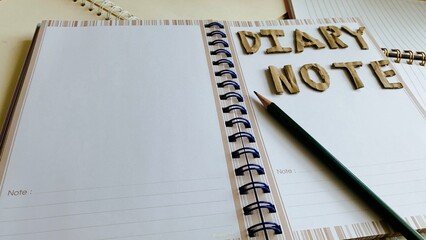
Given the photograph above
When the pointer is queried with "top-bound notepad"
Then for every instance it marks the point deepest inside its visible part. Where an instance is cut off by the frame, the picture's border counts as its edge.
(147, 130)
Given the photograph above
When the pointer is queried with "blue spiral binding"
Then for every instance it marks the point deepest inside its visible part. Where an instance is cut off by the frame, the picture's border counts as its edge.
(259, 205)
(233, 121)
(228, 95)
(216, 32)
(244, 189)
(245, 150)
(223, 61)
(248, 167)
(235, 136)
(226, 71)
(218, 44)
(234, 107)
(264, 226)
(229, 83)
(212, 24)
(219, 41)
(221, 50)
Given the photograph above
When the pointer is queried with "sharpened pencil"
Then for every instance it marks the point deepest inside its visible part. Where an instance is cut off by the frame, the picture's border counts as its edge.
(343, 173)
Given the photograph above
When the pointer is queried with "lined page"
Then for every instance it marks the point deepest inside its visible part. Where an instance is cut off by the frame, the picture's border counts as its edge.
(394, 23)
(414, 78)
(378, 133)
(119, 139)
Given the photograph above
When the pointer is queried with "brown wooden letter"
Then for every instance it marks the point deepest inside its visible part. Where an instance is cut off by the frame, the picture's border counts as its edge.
(255, 38)
(278, 77)
(274, 34)
(332, 34)
(382, 75)
(305, 40)
(350, 68)
(358, 34)
(320, 71)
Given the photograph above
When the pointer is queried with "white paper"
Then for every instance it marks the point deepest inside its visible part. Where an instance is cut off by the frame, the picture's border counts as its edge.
(119, 139)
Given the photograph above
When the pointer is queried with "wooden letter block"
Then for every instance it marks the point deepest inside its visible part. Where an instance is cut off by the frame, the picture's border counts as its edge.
(382, 75)
(250, 49)
(332, 34)
(322, 74)
(358, 34)
(350, 68)
(286, 76)
(305, 40)
(274, 34)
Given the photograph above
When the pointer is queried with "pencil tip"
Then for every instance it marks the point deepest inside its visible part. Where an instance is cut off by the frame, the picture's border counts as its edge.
(265, 101)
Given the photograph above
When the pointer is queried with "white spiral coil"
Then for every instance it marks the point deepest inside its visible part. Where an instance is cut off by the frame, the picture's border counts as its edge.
(109, 8)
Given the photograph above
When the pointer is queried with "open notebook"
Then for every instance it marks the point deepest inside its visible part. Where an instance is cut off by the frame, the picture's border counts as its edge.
(398, 27)
(147, 130)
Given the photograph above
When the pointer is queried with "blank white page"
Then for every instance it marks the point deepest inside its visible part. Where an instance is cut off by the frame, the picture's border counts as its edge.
(118, 139)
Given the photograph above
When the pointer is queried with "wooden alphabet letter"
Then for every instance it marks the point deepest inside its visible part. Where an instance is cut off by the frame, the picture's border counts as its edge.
(350, 68)
(274, 34)
(287, 78)
(322, 74)
(256, 41)
(305, 40)
(332, 34)
(358, 35)
(382, 75)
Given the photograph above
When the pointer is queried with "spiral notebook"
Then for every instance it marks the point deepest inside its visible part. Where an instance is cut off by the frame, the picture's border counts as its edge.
(151, 132)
